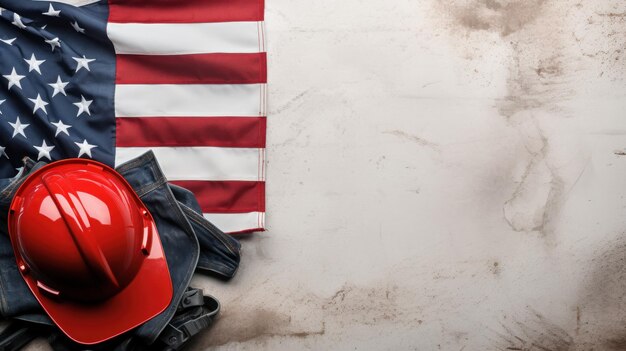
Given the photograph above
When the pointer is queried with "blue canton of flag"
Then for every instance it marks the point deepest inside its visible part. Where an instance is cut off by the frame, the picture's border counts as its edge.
(57, 84)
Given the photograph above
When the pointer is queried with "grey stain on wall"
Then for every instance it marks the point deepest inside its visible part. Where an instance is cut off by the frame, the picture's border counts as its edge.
(502, 16)
(242, 325)
(349, 305)
(535, 333)
(597, 323)
(603, 300)
(539, 66)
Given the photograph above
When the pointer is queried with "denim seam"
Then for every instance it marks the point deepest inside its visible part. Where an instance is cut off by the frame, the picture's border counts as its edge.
(219, 268)
(3, 303)
(146, 158)
(149, 161)
(147, 189)
(196, 218)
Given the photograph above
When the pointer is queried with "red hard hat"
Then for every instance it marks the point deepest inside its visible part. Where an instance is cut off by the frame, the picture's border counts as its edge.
(88, 249)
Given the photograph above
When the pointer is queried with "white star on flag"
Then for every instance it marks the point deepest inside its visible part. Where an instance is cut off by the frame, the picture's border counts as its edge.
(17, 21)
(54, 43)
(1, 102)
(52, 12)
(14, 79)
(8, 41)
(2, 153)
(77, 27)
(44, 151)
(83, 106)
(61, 127)
(85, 148)
(18, 127)
(39, 104)
(82, 62)
(33, 63)
(59, 86)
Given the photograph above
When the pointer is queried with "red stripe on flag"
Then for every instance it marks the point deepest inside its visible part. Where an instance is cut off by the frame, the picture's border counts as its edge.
(246, 132)
(192, 69)
(188, 11)
(227, 196)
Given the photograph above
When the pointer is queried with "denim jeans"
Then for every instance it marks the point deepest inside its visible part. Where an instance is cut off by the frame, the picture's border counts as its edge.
(190, 242)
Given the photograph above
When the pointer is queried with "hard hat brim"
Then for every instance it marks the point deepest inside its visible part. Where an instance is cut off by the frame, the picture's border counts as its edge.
(90, 323)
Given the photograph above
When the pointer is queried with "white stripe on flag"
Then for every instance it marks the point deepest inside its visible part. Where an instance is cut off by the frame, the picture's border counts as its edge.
(184, 38)
(189, 100)
(236, 222)
(201, 163)
(73, 2)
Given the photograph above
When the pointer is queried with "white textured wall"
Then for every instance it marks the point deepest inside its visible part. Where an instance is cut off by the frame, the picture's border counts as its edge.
(443, 175)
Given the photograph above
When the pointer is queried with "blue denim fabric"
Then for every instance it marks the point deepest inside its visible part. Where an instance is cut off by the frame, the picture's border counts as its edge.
(15, 297)
(219, 253)
(190, 242)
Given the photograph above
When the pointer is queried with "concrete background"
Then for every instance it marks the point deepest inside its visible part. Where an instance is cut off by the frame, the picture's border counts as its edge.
(442, 175)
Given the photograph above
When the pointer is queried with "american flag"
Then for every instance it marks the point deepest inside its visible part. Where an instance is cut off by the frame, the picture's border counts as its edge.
(111, 80)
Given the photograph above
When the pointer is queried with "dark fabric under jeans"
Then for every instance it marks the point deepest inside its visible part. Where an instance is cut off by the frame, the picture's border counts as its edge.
(189, 240)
